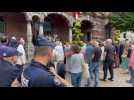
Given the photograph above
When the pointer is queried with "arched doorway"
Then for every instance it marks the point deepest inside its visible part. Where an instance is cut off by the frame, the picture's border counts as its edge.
(56, 24)
(35, 28)
(108, 30)
(86, 28)
(15, 24)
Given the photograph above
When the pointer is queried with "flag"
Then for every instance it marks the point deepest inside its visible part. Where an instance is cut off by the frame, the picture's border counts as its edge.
(76, 14)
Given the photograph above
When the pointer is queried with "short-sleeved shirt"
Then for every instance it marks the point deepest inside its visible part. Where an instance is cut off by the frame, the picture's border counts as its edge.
(110, 53)
(76, 63)
(97, 54)
(88, 53)
(8, 73)
(38, 75)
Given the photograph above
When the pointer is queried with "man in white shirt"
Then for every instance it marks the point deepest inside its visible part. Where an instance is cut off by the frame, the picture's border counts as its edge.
(21, 60)
(59, 56)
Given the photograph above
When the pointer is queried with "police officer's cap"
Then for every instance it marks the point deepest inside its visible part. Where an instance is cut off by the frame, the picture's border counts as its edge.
(44, 41)
(9, 51)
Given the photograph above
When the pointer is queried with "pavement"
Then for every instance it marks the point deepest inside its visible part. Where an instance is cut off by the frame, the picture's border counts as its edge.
(120, 78)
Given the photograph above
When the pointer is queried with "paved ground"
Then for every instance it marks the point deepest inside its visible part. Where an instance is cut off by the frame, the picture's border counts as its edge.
(120, 78)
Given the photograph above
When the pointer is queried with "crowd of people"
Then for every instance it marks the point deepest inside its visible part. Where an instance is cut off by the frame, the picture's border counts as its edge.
(58, 64)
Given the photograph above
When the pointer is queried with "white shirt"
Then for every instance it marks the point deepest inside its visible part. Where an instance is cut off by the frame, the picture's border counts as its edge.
(21, 59)
(59, 53)
(102, 54)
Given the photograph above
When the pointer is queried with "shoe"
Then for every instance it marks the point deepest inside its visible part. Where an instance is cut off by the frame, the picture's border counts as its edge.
(110, 79)
(103, 80)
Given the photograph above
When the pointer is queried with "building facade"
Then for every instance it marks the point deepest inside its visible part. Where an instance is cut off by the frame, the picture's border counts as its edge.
(29, 24)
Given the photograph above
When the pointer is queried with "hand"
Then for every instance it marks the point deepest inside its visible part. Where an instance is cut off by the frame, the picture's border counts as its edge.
(16, 83)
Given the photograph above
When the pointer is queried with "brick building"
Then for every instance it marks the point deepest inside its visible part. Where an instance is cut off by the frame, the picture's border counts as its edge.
(29, 24)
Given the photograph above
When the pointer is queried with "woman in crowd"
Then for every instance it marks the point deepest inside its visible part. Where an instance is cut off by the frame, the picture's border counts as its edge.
(124, 63)
(76, 66)
(117, 61)
(131, 65)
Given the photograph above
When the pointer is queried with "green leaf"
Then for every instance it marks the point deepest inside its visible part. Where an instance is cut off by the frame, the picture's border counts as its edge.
(123, 21)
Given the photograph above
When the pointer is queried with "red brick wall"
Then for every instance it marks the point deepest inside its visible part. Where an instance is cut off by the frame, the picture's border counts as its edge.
(59, 27)
(98, 35)
(61, 30)
(16, 26)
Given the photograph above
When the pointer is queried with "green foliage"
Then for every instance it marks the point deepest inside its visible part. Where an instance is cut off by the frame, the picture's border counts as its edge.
(77, 34)
(123, 21)
(116, 38)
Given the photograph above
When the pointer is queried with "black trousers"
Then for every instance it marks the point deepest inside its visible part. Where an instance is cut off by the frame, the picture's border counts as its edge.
(108, 65)
(20, 69)
(61, 69)
(120, 58)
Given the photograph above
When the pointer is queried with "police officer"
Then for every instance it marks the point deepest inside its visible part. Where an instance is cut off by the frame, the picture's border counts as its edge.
(8, 70)
(37, 73)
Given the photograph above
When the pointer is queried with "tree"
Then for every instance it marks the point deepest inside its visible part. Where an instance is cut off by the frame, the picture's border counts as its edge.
(123, 21)
(77, 34)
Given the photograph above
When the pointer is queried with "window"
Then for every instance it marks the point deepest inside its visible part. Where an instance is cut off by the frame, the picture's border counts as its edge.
(35, 25)
(2, 25)
(47, 26)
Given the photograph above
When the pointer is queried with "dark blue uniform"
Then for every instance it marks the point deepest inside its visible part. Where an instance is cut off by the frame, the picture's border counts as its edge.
(38, 75)
(8, 73)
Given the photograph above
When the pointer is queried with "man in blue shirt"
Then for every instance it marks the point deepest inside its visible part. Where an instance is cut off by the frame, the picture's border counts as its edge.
(8, 71)
(88, 56)
(37, 73)
(88, 53)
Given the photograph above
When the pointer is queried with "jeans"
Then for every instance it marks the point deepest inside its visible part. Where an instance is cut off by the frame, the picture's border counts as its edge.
(68, 76)
(61, 69)
(90, 63)
(94, 73)
(20, 69)
(130, 72)
(76, 79)
(132, 75)
(108, 65)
